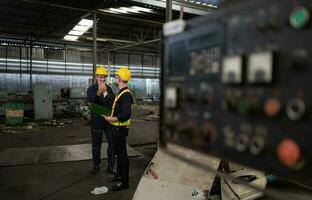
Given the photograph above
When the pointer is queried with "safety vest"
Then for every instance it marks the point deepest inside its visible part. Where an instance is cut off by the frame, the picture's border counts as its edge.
(126, 123)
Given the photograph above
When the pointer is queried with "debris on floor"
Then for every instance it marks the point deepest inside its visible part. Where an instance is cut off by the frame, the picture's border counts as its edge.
(11, 131)
(151, 118)
(29, 126)
(99, 190)
(56, 123)
(148, 112)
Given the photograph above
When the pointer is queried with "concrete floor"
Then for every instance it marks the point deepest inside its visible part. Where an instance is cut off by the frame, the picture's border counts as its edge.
(70, 180)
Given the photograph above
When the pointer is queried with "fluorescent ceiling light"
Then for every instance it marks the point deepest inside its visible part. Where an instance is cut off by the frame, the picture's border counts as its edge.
(118, 10)
(86, 22)
(78, 33)
(108, 11)
(142, 9)
(213, 4)
(129, 10)
(81, 28)
(71, 37)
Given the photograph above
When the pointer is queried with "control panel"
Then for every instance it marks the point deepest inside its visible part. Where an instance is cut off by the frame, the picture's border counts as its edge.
(237, 84)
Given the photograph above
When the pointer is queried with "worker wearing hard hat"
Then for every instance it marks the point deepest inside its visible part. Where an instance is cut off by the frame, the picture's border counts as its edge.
(100, 93)
(120, 119)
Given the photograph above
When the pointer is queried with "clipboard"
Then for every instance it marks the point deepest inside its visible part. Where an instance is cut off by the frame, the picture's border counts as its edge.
(100, 110)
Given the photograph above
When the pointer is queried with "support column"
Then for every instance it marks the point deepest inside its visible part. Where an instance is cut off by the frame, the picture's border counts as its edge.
(65, 58)
(94, 45)
(20, 69)
(168, 10)
(109, 68)
(30, 72)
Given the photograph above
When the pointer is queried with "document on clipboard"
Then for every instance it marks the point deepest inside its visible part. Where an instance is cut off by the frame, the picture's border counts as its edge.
(100, 110)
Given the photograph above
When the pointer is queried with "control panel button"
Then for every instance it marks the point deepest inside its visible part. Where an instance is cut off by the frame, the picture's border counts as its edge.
(295, 109)
(229, 136)
(242, 142)
(260, 67)
(244, 106)
(299, 17)
(256, 145)
(288, 152)
(232, 69)
(299, 58)
(171, 97)
(272, 107)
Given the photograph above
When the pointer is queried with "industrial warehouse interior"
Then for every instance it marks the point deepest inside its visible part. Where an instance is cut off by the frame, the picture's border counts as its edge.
(155, 99)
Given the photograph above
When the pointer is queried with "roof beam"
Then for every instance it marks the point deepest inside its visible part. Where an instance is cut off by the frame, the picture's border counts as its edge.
(176, 6)
(25, 10)
(96, 11)
(132, 45)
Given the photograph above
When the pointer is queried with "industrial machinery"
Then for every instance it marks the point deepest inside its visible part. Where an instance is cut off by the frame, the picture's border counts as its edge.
(73, 101)
(236, 84)
(42, 93)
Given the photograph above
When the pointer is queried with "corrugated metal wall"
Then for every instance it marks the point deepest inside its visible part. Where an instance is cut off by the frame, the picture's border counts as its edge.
(72, 69)
(142, 88)
(66, 62)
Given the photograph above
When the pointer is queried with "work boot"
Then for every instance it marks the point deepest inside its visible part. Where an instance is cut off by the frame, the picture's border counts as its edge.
(95, 169)
(116, 178)
(120, 186)
(111, 170)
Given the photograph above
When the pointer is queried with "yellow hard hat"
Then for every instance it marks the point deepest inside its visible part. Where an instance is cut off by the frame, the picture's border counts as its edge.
(124, 74)
(101, 71)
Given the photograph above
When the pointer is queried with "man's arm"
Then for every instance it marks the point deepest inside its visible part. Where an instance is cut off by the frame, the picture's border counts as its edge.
(95, 93)
(91, 94)
(109, 98)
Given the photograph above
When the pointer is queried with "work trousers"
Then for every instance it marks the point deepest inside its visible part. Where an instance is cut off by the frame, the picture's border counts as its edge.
(120, 149)
(96, 135)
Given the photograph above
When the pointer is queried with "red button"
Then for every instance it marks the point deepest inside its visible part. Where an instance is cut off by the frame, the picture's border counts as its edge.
(272, 107)
(288, 152)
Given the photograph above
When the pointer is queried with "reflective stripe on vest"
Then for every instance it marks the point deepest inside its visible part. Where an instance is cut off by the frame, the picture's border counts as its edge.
(126, 123)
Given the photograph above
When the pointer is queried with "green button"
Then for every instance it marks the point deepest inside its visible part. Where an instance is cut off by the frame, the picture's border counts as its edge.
(299, 17)
(243, 106)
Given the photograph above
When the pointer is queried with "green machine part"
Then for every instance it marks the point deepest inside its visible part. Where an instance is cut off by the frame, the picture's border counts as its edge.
(14, 113)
